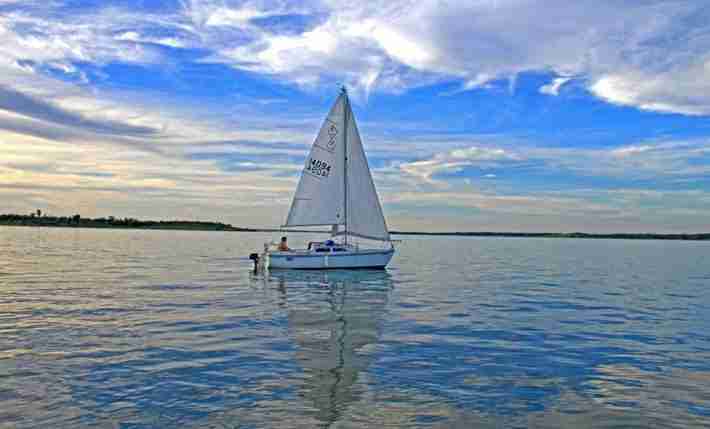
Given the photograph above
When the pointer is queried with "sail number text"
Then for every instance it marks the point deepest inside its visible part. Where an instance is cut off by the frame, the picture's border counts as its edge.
(318, 168)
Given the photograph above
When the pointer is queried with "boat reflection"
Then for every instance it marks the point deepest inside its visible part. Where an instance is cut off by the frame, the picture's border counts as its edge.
(334, 319)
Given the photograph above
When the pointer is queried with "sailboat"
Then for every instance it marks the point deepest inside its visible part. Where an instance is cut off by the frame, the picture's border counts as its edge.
(336, 190)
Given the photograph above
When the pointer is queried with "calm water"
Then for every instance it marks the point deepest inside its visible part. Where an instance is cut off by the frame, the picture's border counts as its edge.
(170, 329)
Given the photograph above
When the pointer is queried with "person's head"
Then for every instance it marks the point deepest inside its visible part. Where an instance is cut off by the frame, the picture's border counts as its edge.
(283, 239)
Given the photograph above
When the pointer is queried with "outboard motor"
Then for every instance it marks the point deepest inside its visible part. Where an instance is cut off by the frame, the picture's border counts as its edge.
(255, 257)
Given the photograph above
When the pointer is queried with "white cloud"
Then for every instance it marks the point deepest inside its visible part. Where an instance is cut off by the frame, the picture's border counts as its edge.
(553, 88)
(652, 55)
(642, 54)
(631, 150)
(132, 36)
(26, 37)
(667, 161)
(240, 14)
(685, 89)
(225, 17)
(543, 204)
(475, 153)
(454, 161)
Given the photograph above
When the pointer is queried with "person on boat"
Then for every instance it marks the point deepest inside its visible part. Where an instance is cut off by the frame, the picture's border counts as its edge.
(283, 245)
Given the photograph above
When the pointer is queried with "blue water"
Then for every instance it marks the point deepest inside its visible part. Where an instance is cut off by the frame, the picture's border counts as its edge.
(142, 329)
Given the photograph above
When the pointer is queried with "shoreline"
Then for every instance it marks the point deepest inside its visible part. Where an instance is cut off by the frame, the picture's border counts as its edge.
(214, 226)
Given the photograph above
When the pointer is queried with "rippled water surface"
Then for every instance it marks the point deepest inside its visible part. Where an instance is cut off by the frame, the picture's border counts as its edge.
(138, 329)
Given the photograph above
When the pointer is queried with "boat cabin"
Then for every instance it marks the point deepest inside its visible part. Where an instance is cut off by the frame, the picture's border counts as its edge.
(326, 246)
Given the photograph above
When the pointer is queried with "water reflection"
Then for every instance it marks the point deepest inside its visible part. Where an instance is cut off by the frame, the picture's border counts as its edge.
(127, 329)
(334, 319)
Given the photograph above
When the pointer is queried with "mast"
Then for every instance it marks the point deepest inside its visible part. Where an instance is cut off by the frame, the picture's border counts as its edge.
(345, 163)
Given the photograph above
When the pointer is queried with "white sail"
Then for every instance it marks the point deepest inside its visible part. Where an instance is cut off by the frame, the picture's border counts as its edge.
(364, 213)
(335, 190)
(319, 196)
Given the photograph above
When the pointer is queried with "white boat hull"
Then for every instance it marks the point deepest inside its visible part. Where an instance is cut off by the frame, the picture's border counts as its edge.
(311, 260)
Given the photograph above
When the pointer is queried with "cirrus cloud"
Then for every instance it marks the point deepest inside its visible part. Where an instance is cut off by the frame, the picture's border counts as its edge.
(646, 54)
(652, 55)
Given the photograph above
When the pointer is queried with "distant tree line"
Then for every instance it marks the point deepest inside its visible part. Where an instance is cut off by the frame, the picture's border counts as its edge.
(622, 236)
(39, 219)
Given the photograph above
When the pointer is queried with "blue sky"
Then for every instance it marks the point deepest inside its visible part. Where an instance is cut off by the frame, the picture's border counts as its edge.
(479, 115)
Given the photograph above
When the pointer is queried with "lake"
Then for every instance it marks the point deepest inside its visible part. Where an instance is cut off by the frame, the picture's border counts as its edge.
(143, 329)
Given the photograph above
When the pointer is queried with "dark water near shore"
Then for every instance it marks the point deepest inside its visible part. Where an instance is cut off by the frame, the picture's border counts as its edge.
(139, 329)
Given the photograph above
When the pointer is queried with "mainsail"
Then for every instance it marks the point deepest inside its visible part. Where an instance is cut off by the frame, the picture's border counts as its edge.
(319, 195)
(336, 186)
